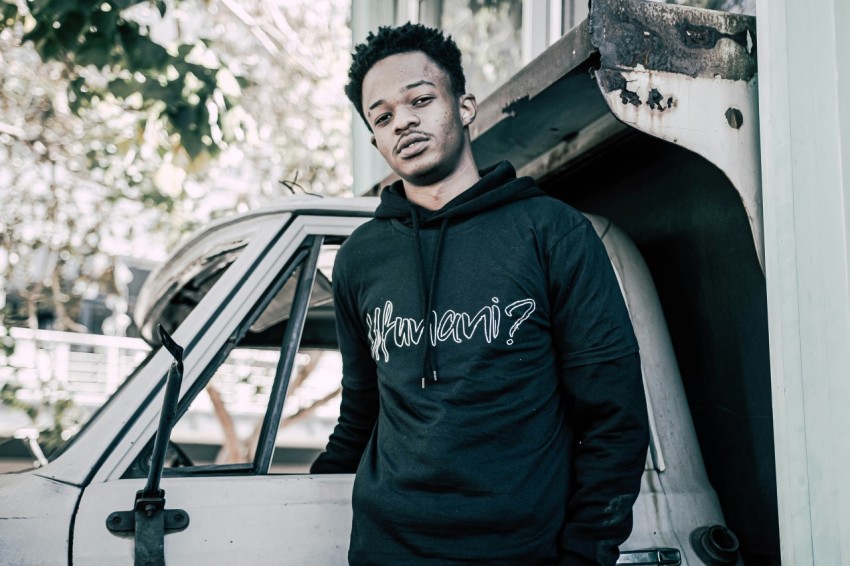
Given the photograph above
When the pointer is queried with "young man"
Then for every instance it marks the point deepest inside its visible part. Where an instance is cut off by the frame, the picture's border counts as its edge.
(492, 406)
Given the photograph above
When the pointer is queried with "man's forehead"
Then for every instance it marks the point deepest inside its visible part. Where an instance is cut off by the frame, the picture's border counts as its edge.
(400, 72)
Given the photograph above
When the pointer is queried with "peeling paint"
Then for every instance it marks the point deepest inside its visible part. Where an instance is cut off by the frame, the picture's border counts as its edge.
(629, 97)
(702, 103)
(619, 82)
(655, 100)
(512, 108)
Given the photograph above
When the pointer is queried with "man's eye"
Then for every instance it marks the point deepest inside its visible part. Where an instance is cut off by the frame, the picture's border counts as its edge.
(381, 119)
(423, 100)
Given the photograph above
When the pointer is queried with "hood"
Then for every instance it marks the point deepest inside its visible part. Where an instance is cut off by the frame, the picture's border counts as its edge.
(498, 185)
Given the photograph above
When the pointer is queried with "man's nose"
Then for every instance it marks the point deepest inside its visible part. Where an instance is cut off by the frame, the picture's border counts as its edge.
(405, 119)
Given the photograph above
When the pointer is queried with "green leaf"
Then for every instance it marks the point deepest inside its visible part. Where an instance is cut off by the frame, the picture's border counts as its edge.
(160, 5)
(49, 11)
(76, 96)
(123, 88)
(70, 29)
(48, 48)
(37, 33)
(170, 94)
(142, 53)
(185, 121)
(105, 22)
(96, 50)
(181, 117)
(124, 4)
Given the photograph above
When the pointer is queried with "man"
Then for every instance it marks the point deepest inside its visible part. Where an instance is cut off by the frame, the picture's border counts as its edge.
(492, 405)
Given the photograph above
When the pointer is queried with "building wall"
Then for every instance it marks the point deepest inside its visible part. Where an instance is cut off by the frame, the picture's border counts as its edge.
(804, 83)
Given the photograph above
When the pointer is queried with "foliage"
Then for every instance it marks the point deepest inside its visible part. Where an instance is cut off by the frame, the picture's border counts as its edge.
(95, 34)
(56, 414)
(489, 34)
(125, 124)
(113, 115)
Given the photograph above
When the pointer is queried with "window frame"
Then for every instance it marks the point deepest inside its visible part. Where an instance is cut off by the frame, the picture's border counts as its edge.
(235, 301)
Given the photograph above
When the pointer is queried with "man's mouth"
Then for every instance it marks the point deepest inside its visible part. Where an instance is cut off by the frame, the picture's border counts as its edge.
(411, 144)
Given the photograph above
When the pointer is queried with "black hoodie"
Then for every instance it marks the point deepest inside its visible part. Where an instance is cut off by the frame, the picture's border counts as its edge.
(492, 399)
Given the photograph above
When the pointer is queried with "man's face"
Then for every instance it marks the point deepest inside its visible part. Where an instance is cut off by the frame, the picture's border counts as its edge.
(417, 123)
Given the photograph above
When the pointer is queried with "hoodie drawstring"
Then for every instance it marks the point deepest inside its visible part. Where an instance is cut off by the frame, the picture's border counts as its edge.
(429, 358)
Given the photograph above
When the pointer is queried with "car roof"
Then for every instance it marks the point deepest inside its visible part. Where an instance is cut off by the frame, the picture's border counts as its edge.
(204, 254)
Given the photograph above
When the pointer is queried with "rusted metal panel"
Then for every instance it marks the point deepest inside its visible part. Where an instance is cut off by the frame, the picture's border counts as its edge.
(687, 76)
(676, 39)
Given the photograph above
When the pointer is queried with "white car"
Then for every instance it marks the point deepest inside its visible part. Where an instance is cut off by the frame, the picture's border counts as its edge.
(260, 282)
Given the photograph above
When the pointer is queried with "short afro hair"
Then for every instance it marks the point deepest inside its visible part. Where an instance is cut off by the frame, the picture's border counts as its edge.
(402, 39)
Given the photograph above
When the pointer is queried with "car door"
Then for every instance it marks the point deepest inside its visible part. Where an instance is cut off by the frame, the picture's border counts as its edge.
(245, 506)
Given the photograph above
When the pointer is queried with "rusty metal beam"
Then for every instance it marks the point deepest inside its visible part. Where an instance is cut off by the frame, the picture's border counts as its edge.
(551, 99)
(675, 39)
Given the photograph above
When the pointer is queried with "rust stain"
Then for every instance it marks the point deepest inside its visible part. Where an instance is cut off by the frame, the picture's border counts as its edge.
(706, 37)
(679, 39)
(617, 81)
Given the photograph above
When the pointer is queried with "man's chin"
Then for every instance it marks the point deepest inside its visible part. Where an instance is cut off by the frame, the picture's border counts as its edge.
(420, 174)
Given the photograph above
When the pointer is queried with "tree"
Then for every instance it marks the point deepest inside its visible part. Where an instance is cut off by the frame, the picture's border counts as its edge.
(122, 121)
(125, 124)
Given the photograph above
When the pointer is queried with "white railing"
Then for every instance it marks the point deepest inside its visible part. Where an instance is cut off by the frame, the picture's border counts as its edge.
(87, 369)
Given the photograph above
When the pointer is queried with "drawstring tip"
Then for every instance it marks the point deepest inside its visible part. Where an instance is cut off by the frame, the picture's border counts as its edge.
(434, 375)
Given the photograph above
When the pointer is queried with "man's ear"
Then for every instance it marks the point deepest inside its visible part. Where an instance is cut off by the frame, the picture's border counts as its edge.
(468, 109)
(372, 139)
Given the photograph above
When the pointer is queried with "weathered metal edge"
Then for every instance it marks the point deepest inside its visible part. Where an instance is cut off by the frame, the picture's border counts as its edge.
(565, 55)
(637, 34)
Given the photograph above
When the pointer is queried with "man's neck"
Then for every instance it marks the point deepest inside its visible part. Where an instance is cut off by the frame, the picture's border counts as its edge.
(435, 196)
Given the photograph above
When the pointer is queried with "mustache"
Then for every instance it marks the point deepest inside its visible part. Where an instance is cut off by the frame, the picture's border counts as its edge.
(403, 140)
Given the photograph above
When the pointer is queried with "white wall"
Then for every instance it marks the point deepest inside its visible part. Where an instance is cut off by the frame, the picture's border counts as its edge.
(804, 84)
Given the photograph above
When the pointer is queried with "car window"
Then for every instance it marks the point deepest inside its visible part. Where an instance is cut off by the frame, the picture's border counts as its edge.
(223, 423)
(221, 428)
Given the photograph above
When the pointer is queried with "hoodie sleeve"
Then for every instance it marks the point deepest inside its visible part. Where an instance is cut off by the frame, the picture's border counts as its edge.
(605, 402)
(359, 407)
